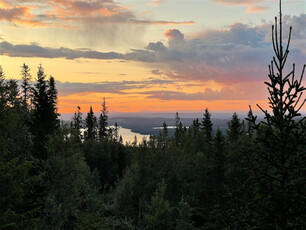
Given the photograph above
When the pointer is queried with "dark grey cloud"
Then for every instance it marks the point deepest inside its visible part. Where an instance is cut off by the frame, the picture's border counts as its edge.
(158, 46)
(69, 88)
(207, 95)
(35, 50)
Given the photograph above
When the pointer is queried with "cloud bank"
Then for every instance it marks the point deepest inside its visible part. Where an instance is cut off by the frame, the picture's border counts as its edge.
(239, 54)
(73, 13)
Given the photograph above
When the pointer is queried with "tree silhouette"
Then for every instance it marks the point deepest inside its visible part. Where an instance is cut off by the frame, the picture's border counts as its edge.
(45, 116)
(234, 129)
(103, 121)
(207, 125)
(91, 123)
(77, 124)
(26, 77)
(279, 165)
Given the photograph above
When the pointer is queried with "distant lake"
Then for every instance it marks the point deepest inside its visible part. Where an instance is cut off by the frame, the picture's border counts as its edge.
(168, 127)
(128, 135)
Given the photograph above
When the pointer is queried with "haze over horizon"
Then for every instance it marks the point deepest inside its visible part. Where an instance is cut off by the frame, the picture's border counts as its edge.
(151, 55)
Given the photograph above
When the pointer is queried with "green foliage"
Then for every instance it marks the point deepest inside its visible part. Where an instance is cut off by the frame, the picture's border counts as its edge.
(71, 193)
(17, 207)
(159, 210)
(108, 158)
(253, 177)
(184, 221)
(278, 165)
(45, 117)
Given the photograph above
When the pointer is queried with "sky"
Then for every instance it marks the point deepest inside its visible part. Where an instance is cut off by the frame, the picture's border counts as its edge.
(150, 55)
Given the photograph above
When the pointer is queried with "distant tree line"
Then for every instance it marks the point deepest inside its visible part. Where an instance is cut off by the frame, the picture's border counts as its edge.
(53, 176)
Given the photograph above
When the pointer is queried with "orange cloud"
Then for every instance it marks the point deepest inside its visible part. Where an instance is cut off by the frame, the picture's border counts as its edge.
(20, 15)
(156, 2)
(80, 8)
(72, 13)
(250, 4)
(256, 9)
(172, 23)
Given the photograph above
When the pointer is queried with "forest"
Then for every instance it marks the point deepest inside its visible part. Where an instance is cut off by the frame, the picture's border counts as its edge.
(53, 176)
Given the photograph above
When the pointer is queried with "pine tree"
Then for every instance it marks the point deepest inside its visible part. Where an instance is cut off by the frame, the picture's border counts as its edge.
(103, 121)
(279, 165)
(207, 125)
(91, 124)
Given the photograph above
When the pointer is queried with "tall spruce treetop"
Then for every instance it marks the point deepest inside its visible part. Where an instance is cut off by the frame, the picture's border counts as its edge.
(179, 130)
(195, 126)
(249, 125)
(207, 125)
(52, 98)
(280, 172)
(76, 124)
(45, 116)
(165, 130)
(91, 123)
(103, 121)
(2, 77)
(26, 78)
(234, 128)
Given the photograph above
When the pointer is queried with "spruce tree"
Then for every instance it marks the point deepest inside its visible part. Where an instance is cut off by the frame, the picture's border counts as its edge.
(207, 125)
(234, 129)
(103, 121)
(18, 209)
(26, 78)
(2, 91)
(165, 130)
(91, 124)
(179, 130)
(279, 165)
(195, 127)
(52, 101)
(249, 126)
(77, 125)
(163, 136)
(45, 116)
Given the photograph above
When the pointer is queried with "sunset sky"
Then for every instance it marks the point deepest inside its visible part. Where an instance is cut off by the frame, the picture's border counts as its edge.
(149, 55)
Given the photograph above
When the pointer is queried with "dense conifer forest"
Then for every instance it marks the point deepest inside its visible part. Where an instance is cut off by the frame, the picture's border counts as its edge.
(53, 176)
